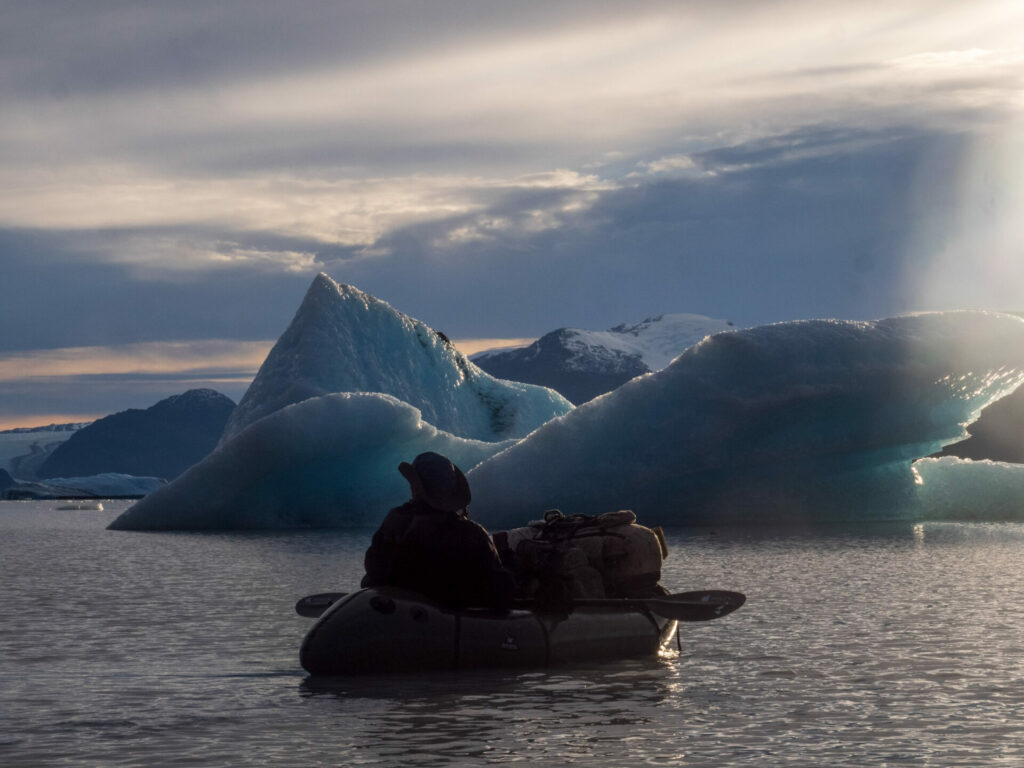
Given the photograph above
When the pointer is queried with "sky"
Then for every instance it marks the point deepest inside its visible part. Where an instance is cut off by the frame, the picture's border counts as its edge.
(173, 175)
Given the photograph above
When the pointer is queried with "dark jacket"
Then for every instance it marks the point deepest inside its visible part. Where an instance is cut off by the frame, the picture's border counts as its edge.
(443, 555)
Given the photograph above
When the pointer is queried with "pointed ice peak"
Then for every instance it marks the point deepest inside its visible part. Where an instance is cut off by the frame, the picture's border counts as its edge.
(322, 280)
(324, 291)
(345, 340)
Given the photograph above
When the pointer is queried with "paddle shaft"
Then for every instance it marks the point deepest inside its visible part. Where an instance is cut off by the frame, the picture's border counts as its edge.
(686, 606)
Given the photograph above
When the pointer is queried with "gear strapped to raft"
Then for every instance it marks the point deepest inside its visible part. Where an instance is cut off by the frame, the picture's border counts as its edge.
(561, 558)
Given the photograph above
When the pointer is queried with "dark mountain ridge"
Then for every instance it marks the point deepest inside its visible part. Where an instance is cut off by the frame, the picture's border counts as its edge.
(161, 441)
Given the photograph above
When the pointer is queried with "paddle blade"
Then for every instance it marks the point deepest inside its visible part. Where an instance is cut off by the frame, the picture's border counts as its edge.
(312, 606)
(702, 605)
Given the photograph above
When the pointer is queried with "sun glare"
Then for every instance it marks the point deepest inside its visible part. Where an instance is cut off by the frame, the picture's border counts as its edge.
(967, 246)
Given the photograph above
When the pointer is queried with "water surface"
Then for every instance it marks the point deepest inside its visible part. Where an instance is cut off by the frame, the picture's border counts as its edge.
(862, 645)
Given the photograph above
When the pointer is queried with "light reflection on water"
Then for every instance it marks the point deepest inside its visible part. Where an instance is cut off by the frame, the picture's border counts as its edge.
(859, 645)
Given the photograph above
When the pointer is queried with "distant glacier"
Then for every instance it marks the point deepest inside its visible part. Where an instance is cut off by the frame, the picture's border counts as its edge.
(799, 421)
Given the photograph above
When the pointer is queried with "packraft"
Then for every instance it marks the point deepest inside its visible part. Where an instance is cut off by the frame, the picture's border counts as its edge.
(583, 556)
(387, 629)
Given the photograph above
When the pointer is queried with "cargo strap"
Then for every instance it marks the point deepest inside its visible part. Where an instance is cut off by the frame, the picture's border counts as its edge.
(557, 528)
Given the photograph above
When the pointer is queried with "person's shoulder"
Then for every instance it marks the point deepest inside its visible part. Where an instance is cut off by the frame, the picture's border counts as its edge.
(398, 517)
(409, 508)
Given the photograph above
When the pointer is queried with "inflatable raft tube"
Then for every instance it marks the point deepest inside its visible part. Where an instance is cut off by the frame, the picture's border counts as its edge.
(385, 629)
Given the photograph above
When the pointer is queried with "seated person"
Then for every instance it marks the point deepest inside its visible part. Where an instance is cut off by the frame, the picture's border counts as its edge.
(430, 545)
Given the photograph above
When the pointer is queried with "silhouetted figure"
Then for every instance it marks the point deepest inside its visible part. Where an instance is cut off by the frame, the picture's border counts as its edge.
(430, 545)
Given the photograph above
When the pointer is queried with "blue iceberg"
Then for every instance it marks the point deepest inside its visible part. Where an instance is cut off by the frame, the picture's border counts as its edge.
(950, 488)
(325, 462)
(344, 340)
(799, 421)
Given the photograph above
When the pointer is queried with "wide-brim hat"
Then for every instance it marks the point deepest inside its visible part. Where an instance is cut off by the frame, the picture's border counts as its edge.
(435, 479)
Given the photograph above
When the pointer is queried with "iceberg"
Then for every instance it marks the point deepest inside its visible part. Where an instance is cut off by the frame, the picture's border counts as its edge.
(951, 488)
(801, 421)
(328, 461)
(352, 388)
(344, 340)
(798, 421)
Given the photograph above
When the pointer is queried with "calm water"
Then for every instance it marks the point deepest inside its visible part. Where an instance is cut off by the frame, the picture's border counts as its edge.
(859, 646)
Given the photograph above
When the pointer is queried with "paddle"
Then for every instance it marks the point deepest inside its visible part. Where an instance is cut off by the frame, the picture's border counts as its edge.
(312, 606)
(701, 605)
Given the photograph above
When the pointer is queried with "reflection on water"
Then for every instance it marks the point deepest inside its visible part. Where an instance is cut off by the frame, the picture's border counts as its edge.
(592, 714)
(859, 645)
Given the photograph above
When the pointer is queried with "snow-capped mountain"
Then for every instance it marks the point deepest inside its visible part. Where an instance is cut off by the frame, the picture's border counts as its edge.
(344, 340)
(584, 364)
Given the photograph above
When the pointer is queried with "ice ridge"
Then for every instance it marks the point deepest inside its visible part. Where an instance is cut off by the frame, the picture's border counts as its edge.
(345, 340)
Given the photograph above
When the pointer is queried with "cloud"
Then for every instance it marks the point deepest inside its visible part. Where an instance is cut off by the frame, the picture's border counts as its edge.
(64, 289)
(669, 164)
(346, 213)
(207, 356)
(472, 346)
(225, 358)
(818, 223)
(811, 223)
(181, 170)
(135, 46)
(38, 386)
(958, 60)
(83, 383)
(322, 145)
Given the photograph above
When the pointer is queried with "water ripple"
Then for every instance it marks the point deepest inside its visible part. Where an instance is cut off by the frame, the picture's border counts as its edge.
(877, 645)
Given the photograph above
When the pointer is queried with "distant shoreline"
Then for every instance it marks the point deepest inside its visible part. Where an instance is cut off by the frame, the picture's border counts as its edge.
(30, 497)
